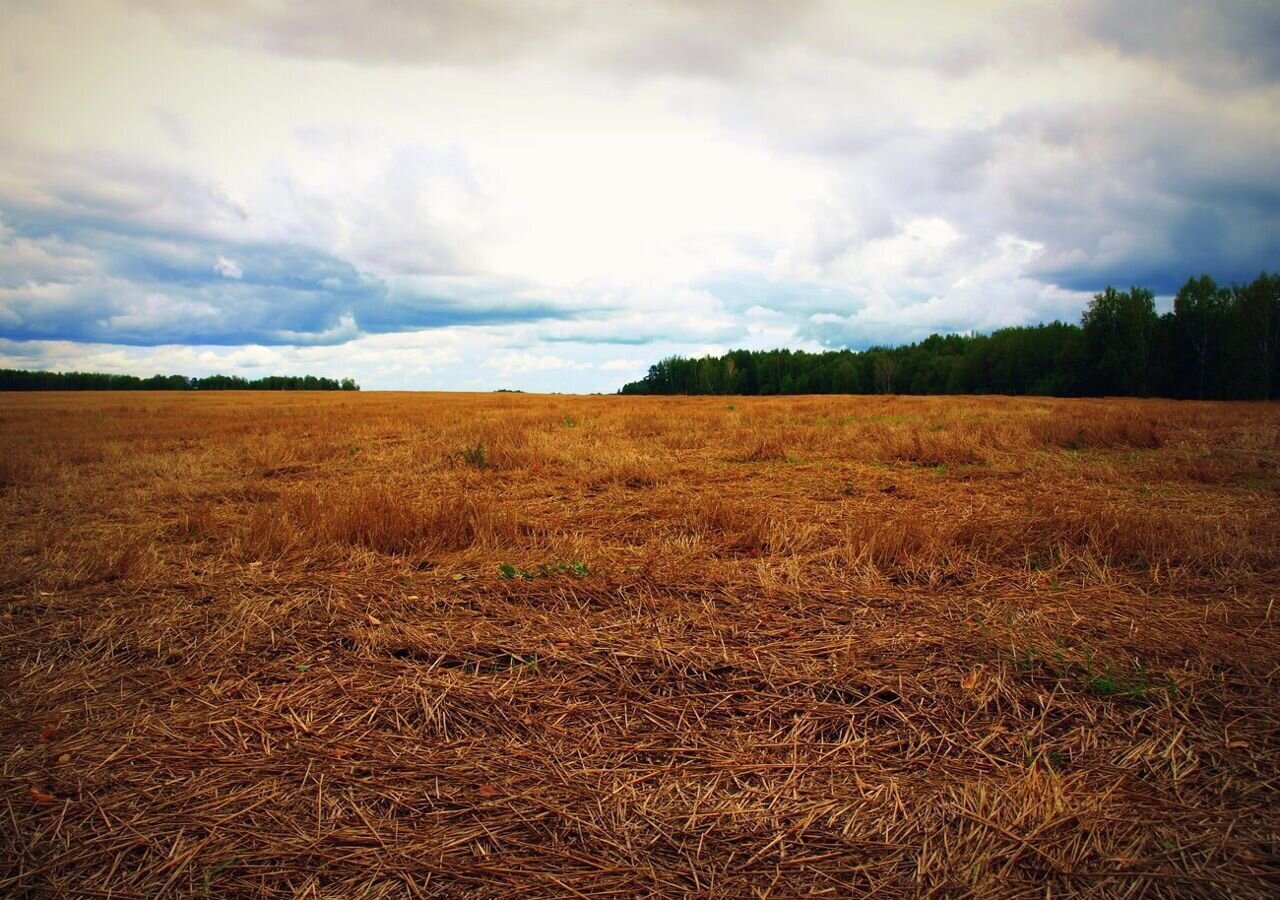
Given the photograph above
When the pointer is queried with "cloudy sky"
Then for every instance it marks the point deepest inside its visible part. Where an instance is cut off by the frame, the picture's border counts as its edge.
(550, 195)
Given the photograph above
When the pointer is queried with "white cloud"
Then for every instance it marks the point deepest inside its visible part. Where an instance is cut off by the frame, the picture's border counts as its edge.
(228, 268)
(520, 362)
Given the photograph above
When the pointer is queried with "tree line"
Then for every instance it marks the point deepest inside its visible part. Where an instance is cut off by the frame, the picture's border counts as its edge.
(21, 380)
(1218, 343)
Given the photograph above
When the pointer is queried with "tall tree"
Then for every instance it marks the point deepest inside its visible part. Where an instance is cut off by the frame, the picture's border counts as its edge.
(1201, 310)
(1258, 321)
(1119, 328)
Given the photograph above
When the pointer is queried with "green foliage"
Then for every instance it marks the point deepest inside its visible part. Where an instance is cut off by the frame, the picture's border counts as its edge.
(1102, 678)
(1217, 343)
(210, 876)
(576, 569)
(21, 380)
(1119, 336)
(509, 662)
(1201, 313)
(475, 456)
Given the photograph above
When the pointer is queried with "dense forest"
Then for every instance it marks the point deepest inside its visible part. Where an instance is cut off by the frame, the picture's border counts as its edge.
(20, 380)
(1220, 343)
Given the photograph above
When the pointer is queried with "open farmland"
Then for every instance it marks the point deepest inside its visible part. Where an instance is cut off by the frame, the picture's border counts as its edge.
(381, 645)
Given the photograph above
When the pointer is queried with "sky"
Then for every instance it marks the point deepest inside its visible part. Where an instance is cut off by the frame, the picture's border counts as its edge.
(552, 195)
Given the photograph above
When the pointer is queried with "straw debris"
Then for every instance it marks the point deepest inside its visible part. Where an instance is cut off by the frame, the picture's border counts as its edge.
(284, 645)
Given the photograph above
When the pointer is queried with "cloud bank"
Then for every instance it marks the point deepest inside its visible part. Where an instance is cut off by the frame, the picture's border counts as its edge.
(551, 194)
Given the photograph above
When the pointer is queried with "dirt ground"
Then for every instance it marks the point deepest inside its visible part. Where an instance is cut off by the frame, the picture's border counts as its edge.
(384, 645)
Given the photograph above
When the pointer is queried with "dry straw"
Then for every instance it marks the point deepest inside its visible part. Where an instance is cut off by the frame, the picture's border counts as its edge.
(493, 646)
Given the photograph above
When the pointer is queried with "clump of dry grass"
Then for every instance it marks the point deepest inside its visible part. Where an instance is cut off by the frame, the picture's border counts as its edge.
(132, 561)
(381, 518)
(268, 533)
(763, 445)
(734, 525)
(933, 446)
(295, 645)
(14, 470)
(1096, 429)
(197, 519)
(900, 548)
(628, 470)
(1135, 538)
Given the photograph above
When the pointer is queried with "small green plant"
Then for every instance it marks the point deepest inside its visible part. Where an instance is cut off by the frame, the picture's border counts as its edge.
(507, 661)
(569, 422)
(1103, 684)
(1102, 678)
(576, 569)
(1028, 660)
(475, 456)
(1051, 759)
(212, 874)
(1135, 684)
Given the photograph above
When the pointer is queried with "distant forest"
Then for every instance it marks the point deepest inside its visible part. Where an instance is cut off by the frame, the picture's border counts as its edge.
(20, 380)
(1220, 343)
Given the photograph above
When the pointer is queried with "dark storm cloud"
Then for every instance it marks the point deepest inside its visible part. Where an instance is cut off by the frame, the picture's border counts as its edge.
(658, 37)
(1213, 41)
(376, 31)
(1216, 42)
(1116, 193)
(1142, 198)
(76, 281)
(116, 251)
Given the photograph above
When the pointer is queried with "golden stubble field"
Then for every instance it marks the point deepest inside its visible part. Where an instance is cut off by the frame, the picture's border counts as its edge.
(385, 645)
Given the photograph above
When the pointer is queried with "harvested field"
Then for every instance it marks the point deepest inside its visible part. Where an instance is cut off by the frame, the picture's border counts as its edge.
(390, 645)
